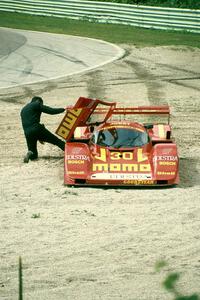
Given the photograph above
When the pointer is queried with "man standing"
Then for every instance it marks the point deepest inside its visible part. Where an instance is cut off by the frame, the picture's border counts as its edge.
(34, 131)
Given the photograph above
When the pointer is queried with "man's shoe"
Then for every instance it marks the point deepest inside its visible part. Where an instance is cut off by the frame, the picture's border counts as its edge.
(27, 157)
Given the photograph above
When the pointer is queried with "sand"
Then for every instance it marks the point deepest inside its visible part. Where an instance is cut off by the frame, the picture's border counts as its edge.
(96, 243)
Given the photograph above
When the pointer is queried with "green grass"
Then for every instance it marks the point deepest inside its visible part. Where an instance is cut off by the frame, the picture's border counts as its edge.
(170, 283)
(167, 3)
(112, 33)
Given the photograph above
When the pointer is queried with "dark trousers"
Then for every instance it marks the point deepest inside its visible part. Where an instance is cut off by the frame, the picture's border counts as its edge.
(40, 133)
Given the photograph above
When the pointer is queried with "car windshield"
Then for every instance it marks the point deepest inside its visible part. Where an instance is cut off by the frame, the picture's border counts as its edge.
(121, 137)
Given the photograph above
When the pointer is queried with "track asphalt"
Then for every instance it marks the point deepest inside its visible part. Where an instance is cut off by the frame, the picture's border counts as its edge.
(30, 56)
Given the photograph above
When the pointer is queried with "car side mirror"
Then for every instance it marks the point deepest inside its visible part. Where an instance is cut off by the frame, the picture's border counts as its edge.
(148, 126)
(168, 136)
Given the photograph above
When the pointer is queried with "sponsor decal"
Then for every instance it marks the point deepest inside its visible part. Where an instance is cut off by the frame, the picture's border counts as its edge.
(121, 167)
(124, 126)
(121, 176)
(76, 162)
(116, 126)
(166, 158)
(76, 150)
(167, 163)
(76, 172)
(124, 167)
(77, 157)
(139, 182)
(166, 151)
(166, 173)
(68, 122)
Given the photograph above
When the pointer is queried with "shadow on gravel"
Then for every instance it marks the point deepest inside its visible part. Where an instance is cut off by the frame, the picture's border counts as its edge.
(52, 157)
(188, 172)
(118, 188)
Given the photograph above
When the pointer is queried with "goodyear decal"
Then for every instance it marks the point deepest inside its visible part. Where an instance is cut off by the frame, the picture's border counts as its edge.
(138, 182)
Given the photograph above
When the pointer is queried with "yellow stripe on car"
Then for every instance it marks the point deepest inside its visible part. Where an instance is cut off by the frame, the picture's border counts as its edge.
(161, 131)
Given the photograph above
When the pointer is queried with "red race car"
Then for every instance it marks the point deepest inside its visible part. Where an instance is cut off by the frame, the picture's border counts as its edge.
(105, 147)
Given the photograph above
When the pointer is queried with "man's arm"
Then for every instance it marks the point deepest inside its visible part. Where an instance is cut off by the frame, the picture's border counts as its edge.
(51, 111)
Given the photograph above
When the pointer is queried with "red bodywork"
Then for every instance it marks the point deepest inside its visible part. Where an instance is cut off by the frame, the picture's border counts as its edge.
(89, 162)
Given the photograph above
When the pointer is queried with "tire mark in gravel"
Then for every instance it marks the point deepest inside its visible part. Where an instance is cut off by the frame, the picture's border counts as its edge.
(27, 67)
(180, 83)
(73, 81)
(168, 66)
(95, 85)
(17, 95)
(154, 84)
(175, 68)
(154, 92)
(195, 75)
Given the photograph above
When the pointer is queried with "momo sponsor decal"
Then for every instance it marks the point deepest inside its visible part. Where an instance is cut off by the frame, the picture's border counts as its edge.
(139, 166)
(121, 167)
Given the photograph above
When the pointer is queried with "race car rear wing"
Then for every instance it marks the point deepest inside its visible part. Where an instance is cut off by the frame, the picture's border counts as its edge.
(161, 110)
(87, 112)
(148, 110)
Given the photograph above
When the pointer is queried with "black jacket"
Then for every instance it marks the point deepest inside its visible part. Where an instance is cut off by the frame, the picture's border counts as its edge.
(31, 113)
